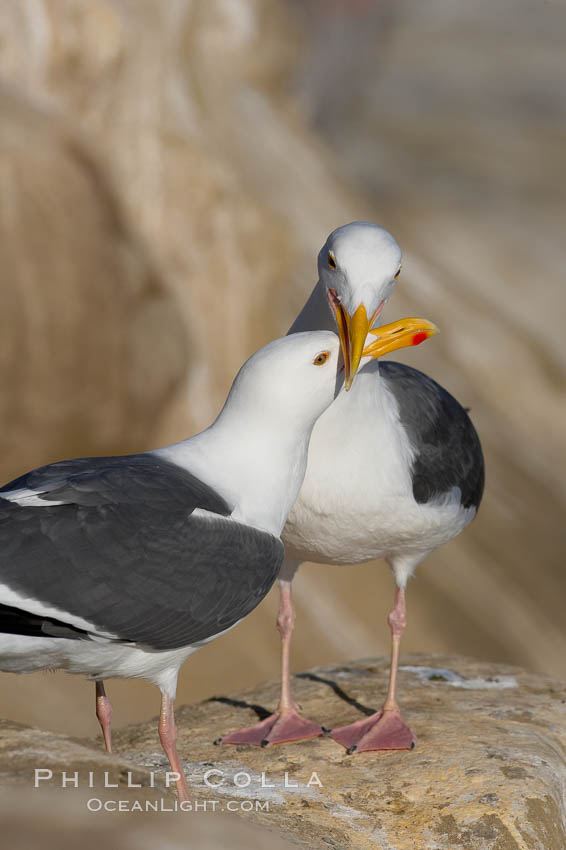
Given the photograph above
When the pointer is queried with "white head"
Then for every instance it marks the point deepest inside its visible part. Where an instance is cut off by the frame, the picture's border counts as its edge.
(289, 382)
(358, 266)
(261, 436)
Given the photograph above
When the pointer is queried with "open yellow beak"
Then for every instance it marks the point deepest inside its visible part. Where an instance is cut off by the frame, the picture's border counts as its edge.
(353, 331)
(400, 334)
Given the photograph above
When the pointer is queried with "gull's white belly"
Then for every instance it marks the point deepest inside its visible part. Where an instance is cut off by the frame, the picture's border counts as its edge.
(97, 659)
(397, 526)
(356, 503)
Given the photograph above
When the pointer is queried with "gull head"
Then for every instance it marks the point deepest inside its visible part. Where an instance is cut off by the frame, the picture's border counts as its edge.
(290, 382)
(357, 266)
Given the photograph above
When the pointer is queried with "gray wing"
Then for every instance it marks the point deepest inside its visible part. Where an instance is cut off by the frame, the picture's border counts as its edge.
(125, 552)
(448, 449)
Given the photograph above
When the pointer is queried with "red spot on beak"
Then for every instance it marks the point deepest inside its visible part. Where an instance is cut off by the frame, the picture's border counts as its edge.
(420, 337)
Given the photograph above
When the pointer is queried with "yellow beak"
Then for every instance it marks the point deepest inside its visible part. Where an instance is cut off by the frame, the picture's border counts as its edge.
(359, 328)
(353, 331)
(400, 334)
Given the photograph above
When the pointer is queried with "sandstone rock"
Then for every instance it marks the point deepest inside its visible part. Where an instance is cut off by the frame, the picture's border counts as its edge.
(63, 822)
(92, 347)
(187, 105)
(487, 774)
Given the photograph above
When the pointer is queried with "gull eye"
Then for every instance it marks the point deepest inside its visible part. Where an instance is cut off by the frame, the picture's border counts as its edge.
(331, 261)
(398, 273)
(321, 358)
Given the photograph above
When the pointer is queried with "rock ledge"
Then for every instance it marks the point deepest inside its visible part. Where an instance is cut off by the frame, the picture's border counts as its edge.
(488, 772)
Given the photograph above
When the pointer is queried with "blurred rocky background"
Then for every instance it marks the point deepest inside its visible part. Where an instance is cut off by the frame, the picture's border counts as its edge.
(168, 172)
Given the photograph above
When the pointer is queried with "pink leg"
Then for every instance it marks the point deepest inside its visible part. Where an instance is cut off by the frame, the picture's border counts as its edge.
(385, 730)
(104, 715)
(168, 738)
(286, 724)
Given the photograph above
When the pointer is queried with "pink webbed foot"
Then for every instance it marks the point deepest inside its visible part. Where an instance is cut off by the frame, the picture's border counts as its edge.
(279, 728)
(385, 730)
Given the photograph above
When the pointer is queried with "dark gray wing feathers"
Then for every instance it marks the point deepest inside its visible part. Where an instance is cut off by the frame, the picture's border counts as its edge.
(126, 553)
(448, 450)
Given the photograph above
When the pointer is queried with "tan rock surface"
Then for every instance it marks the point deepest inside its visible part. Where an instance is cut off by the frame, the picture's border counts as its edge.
(92, 347)
(488, 772)
(187, 105)
(63, 822)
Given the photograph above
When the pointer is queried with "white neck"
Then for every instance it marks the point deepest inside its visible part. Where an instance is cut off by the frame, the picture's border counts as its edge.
(258, 470)
(315, 315)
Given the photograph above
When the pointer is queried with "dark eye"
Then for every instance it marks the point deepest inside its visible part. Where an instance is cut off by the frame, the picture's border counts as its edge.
(398, 273)
(321, 358)
(331, 261)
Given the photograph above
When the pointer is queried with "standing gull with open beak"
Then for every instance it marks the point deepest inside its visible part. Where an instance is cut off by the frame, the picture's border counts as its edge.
(395, 468)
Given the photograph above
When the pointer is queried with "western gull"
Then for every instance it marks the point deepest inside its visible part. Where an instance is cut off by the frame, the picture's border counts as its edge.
(124, 566)
(395, 469)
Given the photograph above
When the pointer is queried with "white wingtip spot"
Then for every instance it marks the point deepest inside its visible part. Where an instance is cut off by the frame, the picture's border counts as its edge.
(28, 498)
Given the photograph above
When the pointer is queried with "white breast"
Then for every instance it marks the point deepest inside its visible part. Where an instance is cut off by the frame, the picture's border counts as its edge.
(356, 503)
